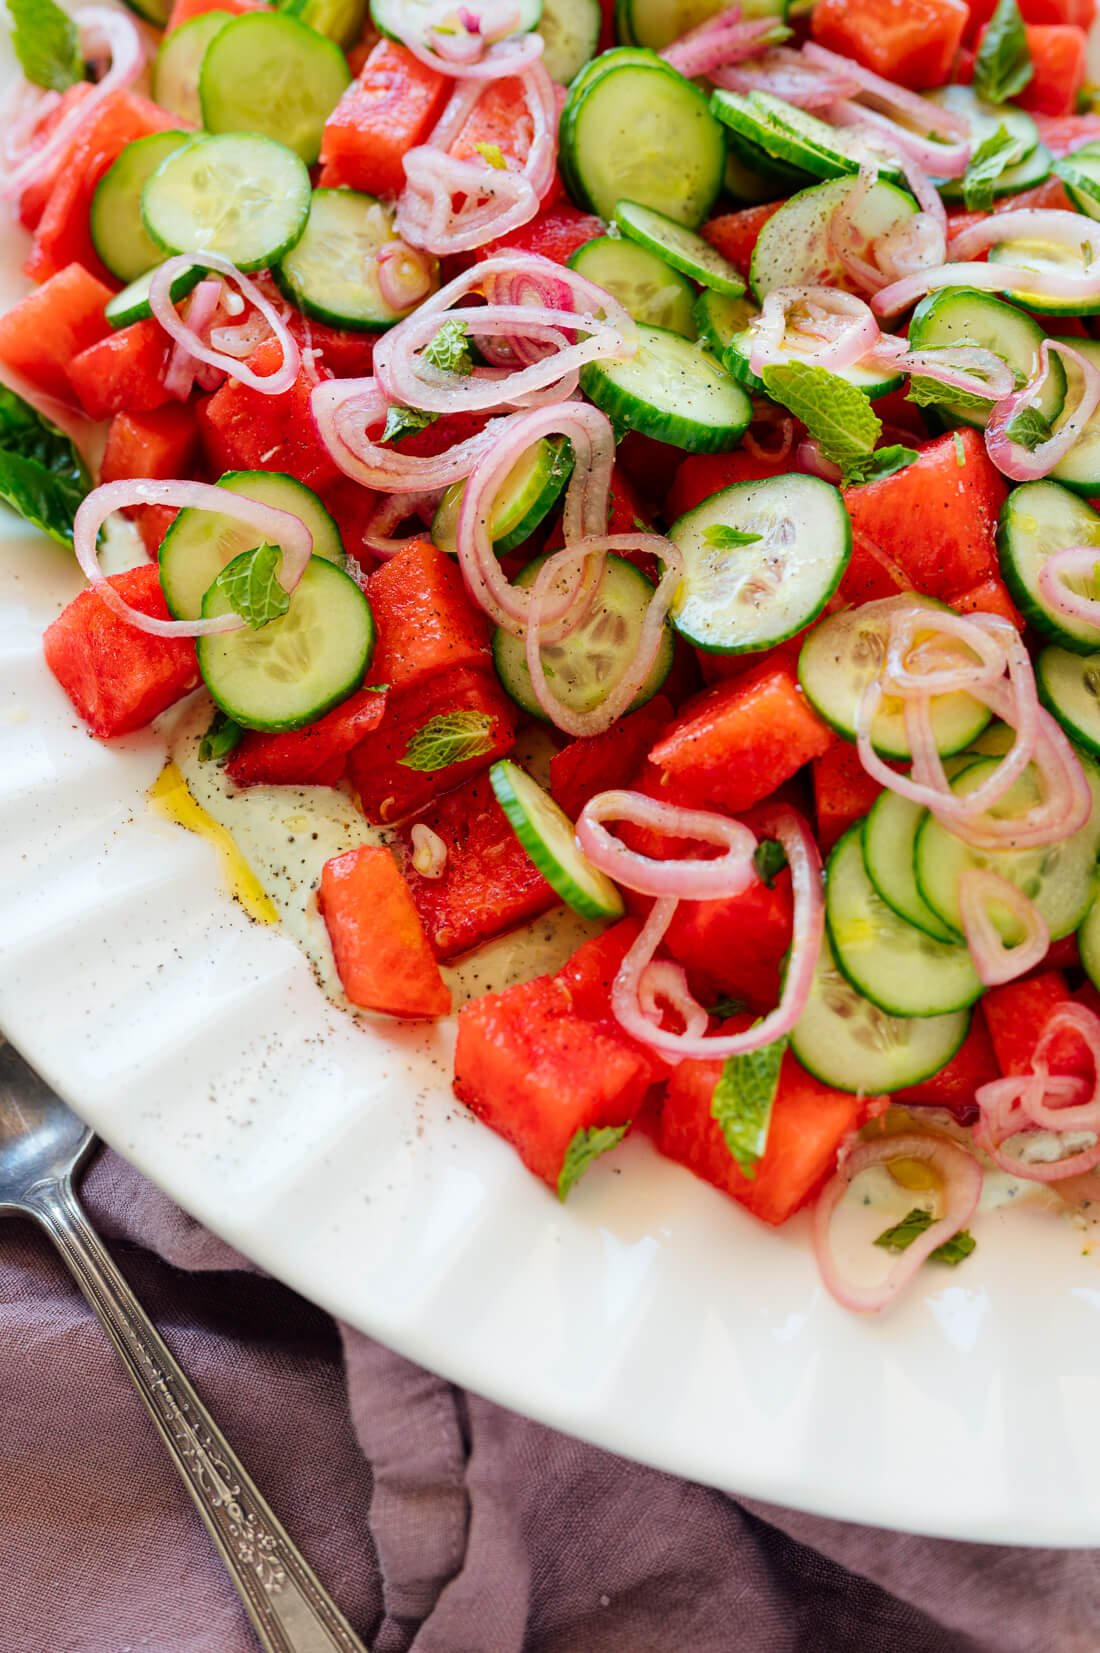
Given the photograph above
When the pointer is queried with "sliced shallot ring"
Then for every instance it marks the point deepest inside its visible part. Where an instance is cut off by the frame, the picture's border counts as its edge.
(693, 880)
(804, 859)
(1072, 562)
(345, 409)
(664, 981)
(1080, 1114)
(160, 303)
(961, 1177)
(979, 889)
(722, 40)
(1024, 464)
(986, 278)
(888, 92)
(855, 337)
(276, 526)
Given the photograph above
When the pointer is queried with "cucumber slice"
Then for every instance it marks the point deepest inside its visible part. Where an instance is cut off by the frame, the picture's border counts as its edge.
(585, 668)
(199, 544)
(682, 248)
(331, 272)
(1046, 257)
(237, 194)
(793, 137)
(1069, 687)
(1058, 878)
(671, 390)
(735, 360)
(644, 284)
(132, 304)
(1037, 519)
(1080, 469)
(177, 64)
(892, 963)
(843, 654)
(1088, 943)
(657, 23)
(529, 493)
(847, 1042)
(118, 234)
(792, 250)
(1080, 173)
(735, 600)
(1031, 162)
(398, 18)
(546, 833)
(637, 129)
(754, 177)
(958, 315)
(570, 30)
(341, 20)
(267, 73)
(296, 668)
(889, 836)
(718, 318)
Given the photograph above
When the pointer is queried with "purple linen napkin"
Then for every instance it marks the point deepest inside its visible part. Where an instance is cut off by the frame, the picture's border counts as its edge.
(441, 1523)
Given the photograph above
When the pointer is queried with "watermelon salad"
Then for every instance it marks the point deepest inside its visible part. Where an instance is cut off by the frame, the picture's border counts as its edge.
(717, 392)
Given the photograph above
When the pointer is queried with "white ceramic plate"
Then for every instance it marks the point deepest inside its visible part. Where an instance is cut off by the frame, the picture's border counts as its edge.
(651, 1315)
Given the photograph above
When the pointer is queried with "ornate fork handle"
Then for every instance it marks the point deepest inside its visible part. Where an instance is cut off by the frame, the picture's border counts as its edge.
(291, 1611)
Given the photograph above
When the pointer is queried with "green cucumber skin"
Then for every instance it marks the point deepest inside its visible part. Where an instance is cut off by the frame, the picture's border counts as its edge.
(1031, 610)
(556, 874)
(1080, 736)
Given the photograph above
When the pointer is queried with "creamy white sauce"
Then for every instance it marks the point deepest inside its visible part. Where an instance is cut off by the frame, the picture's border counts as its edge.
(287, 833)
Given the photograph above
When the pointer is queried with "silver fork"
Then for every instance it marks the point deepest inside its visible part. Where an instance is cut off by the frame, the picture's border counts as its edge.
(42, 1146)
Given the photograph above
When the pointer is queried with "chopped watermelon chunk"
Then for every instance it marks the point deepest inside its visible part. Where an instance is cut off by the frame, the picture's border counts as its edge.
(843, 791)
(41, 334)
(159, 444)
(973, 1064)
(118, 677)
(152, 523)
(989, 596)
(32, 202)
(911, 41)
(590, 975)
(314, 756)
(736, 743)
(388, 789)
(703, 474)
(556, 233)
(736, 946)
(1059, 58)
(1016, 1014)
(122, 373)
(599, 763)
(425, 620)
(381, 952)
(184, 10)
(247, 430)
(63, 234)
(489, 883)
(938, 516)
(389, 110)
(808, 1124)
(537, 1072)
(735, 234)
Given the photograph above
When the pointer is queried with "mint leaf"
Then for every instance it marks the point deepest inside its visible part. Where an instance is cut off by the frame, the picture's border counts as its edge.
(41, 497)
(587, 1144)
(837, 415)
(450, 349)
(399, 421)
(725, 1007)
(721, 538)
(452, 737)
(769, 858)
(742, 1102)
(1002, 67)
(47, 44)
(883, 462)
(1029, 428)
(918, 1222)
(991, 158)
(220, 739)
(931, 393)
(491, 152)
(25, 432)
(251, 586)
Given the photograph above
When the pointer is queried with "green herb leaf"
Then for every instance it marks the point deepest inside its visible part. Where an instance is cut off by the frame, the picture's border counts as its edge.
(587, 1144)
(452, 737)
(42, 498)
(220, 739)
(769, 858)
(960, 450)
(25, 432)
(918, 1222)
(991, 158)
(400, 421)
(491, 152)
(930, 393)
(725, 1007)
(1002, 67)
(450, 349)
(721, 538)
(47, 44)
(883, 462)
(1029, 428)
(251, 586)
(837, 415)
(742, 1102)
